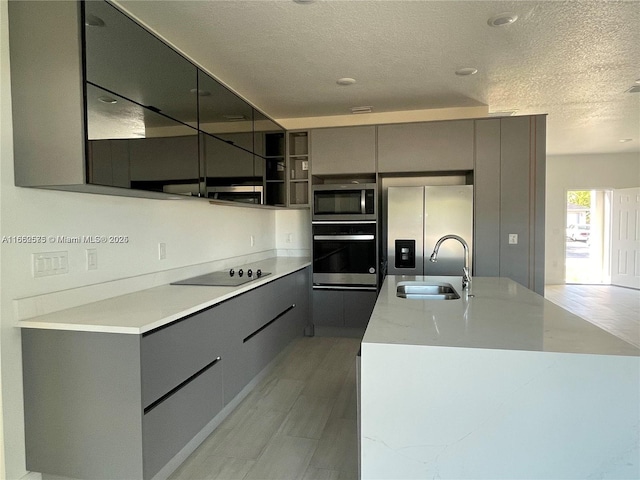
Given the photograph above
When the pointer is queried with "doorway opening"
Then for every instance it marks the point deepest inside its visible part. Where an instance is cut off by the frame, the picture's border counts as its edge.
(588, 237)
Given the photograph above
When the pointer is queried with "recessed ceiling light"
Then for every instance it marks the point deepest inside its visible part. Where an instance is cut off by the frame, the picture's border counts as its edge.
(502, 113)
(107, 99)
(93, 21)
(366, 109)
(201, 93)
(463, 72)
(634, 89)
(502, 19)
(346, 81)
(625, 140)
(234, 118)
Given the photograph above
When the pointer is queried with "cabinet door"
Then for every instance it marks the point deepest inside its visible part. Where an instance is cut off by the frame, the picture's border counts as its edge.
(344, 150)
(424, 147)
(358, 307)
(126, 59)
(328, 308)
(165, 159)
(486, 255)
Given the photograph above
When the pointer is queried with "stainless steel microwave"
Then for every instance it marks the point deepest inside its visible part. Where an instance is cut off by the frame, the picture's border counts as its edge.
(344, 202)
(239, 193)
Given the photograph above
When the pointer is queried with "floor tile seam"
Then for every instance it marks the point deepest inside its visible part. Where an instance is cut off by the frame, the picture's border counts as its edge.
(306, 465)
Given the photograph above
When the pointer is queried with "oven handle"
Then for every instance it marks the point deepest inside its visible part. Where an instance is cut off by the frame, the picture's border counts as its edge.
(343, 237)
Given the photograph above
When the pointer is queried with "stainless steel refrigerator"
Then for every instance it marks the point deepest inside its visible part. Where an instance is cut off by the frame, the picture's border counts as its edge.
(417, 217)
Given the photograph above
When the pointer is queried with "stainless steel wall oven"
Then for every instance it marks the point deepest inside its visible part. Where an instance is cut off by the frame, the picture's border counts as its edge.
(345, 255)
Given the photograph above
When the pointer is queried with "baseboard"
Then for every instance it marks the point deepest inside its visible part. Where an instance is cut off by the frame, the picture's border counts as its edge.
(348, 332)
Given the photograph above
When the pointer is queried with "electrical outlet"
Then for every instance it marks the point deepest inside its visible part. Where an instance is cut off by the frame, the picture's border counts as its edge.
(289, 238)
(162, 251)
(50, 263)
(92, 259)
(513, 239)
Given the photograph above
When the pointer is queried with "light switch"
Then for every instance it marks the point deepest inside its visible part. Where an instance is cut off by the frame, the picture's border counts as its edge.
(50, 263)
(162, 251)
(513, 239)
(92, 259)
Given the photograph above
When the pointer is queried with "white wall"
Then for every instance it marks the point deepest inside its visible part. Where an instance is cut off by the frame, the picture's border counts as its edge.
(579, 172)
(194, 231)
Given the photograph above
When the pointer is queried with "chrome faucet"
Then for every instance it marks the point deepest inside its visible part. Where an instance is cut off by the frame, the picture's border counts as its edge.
(466, 274)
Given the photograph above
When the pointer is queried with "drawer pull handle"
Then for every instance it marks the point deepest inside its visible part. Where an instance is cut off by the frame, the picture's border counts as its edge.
(286, 310)
(183, 384)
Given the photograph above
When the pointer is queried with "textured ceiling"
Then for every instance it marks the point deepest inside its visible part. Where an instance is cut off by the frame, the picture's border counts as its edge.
(572, 60)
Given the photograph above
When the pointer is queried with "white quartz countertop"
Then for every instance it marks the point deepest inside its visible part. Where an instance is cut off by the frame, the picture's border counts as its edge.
(498, 314)
(141, 311)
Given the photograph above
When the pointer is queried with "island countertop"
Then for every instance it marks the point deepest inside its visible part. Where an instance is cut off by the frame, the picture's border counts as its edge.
(498, 313)
(141, 311)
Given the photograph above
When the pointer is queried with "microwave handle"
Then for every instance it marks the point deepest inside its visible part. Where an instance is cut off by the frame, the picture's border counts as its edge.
(363, 201)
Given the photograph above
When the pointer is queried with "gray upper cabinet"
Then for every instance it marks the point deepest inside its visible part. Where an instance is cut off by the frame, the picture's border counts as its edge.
(140, 98)
(426, 147)
(345, 150)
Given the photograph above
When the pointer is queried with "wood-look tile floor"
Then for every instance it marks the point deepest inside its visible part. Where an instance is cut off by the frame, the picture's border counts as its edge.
(299, 423)
(614, 309)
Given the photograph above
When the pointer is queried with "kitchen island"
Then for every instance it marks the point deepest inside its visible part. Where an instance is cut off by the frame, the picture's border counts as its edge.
(499, 383)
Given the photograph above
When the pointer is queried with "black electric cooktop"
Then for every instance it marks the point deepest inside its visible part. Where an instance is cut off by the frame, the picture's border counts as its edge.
(226, 278)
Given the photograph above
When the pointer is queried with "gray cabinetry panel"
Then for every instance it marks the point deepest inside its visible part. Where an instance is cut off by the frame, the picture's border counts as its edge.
(344, 150)
(486, 257)
(424, 147)
(328, 308)
(168, 427)
(171, 355)
(358, 307)
(509, 182)
(48, 130)
(342, 308)
(234, 315)
(82, 404)
(514, 198)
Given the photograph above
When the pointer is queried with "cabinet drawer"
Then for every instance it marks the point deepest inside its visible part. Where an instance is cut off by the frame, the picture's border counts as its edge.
(171, 355)
(170, 425)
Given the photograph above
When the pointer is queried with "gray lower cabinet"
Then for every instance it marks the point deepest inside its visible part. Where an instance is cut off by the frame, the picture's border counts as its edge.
(343, 308)
(428, 146)
(121, 406)
(343, 150)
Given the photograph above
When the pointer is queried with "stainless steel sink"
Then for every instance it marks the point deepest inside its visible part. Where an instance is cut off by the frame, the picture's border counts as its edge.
(426, 291)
